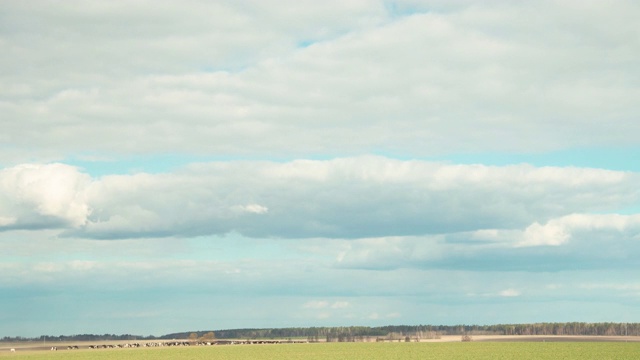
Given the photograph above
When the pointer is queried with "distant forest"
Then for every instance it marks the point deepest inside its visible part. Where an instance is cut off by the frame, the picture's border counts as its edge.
(355, 333)
(358, 333)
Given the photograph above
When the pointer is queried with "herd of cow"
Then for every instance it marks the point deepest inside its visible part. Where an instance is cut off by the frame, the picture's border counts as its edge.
(137, 345)
(177, 343)
(181, 343)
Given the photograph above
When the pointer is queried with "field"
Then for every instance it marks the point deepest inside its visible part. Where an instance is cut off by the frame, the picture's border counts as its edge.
(360, 351)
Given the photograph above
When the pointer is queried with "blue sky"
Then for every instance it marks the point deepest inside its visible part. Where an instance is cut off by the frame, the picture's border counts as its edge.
(195, 165)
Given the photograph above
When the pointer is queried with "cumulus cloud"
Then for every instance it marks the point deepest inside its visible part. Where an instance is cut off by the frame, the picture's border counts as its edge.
(549, 234)
(253, 208)
(559, 231)
(381, 213)
(7, 220)
(35, 196)
(364, 197)
(576, 241)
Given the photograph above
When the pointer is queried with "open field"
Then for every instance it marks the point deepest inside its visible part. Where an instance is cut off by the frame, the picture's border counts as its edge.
(540, 338)
(360, 351)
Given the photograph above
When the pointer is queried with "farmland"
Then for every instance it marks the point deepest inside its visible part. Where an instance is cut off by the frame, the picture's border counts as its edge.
(357, 351)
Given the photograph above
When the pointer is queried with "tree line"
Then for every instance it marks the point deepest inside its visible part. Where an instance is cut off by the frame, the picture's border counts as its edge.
(353, 333)
(359, 333)
(79, 337)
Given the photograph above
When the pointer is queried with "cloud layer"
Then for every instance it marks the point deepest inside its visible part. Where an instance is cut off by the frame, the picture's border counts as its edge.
(342, 198)
(241, 79)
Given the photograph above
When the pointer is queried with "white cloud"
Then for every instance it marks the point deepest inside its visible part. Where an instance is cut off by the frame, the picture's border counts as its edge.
(568, 242)
(365, 197)
(497, 218)
(43, 195)
(7, 220)
(510, 293)
(254, 208)
(559, 231)
(549, 234)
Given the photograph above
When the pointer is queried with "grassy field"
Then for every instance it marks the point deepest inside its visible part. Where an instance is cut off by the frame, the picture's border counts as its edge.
(360, 351)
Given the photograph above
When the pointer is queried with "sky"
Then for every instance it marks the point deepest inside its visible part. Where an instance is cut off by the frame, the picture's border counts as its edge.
(172, 166)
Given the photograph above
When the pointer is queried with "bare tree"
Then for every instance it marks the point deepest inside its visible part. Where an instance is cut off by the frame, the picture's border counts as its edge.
(193, 337)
